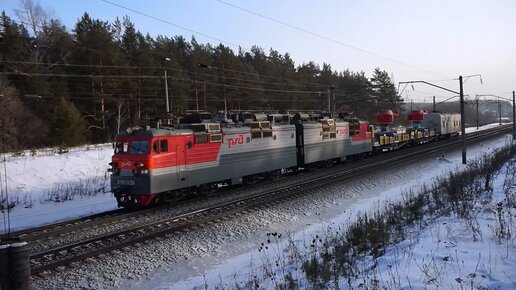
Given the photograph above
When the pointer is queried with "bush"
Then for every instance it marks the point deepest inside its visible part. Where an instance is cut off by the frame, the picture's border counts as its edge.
(370, 235)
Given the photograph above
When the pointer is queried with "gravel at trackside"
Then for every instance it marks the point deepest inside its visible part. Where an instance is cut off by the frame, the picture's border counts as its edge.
(211, 242)
(164, 213)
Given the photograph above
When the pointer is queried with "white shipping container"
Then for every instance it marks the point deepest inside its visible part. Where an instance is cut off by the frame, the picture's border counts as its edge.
(444, 124)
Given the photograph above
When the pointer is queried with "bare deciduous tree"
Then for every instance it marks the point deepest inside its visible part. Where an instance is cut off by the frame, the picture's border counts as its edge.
(32, 15)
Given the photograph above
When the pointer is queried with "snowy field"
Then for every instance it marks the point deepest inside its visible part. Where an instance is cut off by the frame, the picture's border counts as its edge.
(48, 186)
(444, 255)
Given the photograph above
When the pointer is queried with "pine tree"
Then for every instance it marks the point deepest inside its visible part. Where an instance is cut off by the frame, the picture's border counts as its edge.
(65, 123)
(384, 91)
(97, 51)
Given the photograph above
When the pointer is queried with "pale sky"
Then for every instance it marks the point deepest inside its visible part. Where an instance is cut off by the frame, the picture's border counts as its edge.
(432, 40)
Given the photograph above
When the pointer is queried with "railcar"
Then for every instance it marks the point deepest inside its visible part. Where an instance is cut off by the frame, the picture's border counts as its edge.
(445, 124)
(387, 137)
(418, 132)
(423, 128)
(151, 165)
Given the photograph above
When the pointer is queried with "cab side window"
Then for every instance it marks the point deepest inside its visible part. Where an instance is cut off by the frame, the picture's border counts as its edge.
(163, 145)
(121, 147)
(155, 147)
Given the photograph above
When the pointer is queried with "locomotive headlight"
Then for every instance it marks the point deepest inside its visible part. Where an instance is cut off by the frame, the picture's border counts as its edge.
(113, 169)
(140, 169)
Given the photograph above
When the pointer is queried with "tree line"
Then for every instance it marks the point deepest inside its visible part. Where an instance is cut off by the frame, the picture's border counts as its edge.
(84, 85)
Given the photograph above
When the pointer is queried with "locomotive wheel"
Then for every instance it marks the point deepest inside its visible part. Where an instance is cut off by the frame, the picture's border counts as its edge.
(158, 200)
(251, 179)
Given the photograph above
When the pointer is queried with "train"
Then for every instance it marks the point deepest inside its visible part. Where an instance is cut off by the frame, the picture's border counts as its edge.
(201, 152)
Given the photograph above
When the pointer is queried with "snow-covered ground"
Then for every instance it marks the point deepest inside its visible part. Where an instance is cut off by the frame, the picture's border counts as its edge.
(36, 176)
(443, 256)
(36, 179)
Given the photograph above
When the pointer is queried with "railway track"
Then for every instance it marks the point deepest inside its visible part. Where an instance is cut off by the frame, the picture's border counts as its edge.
(48, 259)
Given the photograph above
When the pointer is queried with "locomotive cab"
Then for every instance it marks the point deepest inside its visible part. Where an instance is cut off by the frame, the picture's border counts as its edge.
(154, 164)
(138, 155)
(130, 170)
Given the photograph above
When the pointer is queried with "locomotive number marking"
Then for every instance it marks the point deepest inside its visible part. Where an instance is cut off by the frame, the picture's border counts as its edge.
(236, 141)
(126, 182)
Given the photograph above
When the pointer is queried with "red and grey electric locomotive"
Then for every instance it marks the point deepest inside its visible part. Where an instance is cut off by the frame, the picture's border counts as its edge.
(154, 164)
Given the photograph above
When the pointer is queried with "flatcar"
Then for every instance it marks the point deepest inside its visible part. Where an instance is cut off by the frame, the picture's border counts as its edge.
(387, 137)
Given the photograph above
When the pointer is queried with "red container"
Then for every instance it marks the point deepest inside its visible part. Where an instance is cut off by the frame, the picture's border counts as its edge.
(385, 117)
(417, 115)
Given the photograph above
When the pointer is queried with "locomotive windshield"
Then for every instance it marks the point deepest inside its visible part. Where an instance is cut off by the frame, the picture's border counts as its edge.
(139, 147)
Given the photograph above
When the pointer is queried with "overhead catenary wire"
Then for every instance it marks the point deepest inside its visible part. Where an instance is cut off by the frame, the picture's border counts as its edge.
(223, 84)
(200, 74)
(123, 95)
(280, 22)
(159, 77)
(330, 39)
(271, 19)
(171, 23)
(452, 97)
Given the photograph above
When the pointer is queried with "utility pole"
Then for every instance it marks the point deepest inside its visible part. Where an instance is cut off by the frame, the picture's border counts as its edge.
(329, 101)
(224, 93)
(462, 117)
(333, 102)
(434, 105)
(196, 98)
(462, 125)
(476, 101)
(163, 60)
(167, 107)
(500, 111)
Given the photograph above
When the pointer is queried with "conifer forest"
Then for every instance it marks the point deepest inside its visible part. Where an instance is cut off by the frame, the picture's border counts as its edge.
(65, 86)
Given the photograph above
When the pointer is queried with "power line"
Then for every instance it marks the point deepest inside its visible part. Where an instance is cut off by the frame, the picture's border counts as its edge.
(82, 76)
(116, 97)
(159, 77)
(328, 38)
(170, 23)
(274, 20)
(201, 74)
(156, 18)
(452, 97)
